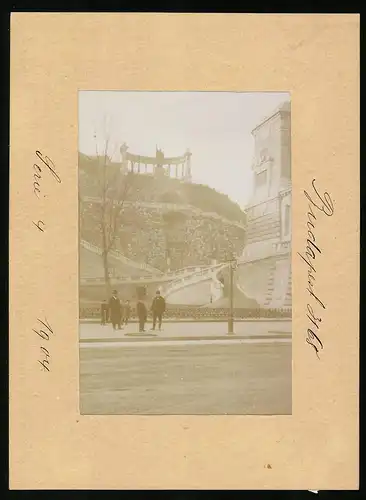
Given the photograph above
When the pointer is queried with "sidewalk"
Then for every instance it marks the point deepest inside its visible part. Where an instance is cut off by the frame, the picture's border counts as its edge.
(182, 331)
(96, 321)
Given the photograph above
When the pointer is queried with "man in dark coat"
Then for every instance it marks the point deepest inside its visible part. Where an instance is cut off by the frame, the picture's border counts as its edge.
(141, 311)
(115, 310)
(126, 312)
(158, 309)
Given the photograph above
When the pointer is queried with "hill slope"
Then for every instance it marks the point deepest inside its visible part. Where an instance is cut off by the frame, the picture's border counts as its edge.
(163, 189)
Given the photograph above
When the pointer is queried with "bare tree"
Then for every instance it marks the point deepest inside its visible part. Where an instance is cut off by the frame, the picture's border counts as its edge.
(113, 187)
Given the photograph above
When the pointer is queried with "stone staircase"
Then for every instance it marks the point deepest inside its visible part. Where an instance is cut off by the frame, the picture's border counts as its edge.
(288, 297)
(270, 284)
(114, 254)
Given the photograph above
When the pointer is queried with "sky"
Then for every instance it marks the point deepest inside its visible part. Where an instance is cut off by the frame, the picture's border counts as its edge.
(215, 126)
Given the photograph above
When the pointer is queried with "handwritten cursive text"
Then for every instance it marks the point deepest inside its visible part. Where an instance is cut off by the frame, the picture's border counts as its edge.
(42, 164)
(45, 161)
(317, 205)
(37, 176)
(45, 332)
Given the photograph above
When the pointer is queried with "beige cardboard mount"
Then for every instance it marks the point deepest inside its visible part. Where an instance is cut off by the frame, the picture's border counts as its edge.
(53, 56)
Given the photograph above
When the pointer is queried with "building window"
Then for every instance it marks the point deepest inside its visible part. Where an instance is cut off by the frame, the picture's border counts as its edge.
(287, 220)
(261, 179)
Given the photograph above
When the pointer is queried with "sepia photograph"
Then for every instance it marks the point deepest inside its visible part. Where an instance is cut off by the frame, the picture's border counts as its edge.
(185, 282)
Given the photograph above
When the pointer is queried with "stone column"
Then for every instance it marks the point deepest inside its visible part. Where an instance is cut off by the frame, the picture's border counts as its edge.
(124, 161)
(188, 166)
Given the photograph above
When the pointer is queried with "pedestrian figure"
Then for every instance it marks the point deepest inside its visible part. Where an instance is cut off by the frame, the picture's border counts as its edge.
(141, 311)
(126, 312)
(115, 310)
(104, 313)
(158, 309)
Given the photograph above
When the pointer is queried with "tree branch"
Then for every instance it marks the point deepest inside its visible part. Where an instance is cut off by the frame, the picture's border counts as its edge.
(117, 209)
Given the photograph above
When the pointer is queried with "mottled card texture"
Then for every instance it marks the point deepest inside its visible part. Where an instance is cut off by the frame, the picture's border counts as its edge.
(87, 412)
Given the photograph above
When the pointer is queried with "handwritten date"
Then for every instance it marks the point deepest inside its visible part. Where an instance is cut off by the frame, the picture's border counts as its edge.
(45, 332)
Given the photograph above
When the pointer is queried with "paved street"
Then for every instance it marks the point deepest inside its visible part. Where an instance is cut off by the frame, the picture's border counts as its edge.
(186, 377)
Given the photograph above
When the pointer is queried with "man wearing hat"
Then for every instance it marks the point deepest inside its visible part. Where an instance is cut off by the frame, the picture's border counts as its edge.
(115, 310)
(158, 309)
(141, 311)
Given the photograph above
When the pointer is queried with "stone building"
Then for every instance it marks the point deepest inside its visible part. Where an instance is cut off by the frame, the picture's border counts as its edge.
(265, 271)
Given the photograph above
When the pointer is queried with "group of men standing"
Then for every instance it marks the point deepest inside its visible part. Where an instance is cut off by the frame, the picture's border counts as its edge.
(119, 314)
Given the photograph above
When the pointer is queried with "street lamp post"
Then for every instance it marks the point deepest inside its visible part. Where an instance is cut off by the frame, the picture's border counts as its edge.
(232, 266)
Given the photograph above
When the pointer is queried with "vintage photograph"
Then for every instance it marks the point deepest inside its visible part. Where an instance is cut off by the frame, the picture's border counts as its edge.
(185, 283)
